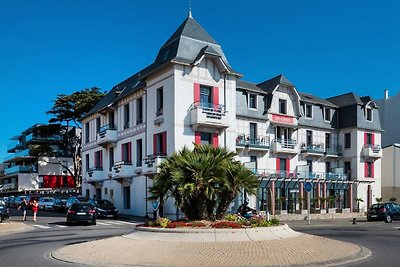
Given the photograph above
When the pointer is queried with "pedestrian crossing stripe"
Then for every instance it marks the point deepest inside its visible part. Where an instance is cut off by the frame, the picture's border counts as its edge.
(101, 223)
(61, 226)
(114, 222)
(41, 226)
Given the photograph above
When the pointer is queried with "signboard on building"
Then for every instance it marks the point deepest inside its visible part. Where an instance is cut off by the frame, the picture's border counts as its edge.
(282, 119)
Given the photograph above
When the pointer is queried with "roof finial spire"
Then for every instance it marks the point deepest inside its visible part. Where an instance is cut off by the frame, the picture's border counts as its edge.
(190, 9)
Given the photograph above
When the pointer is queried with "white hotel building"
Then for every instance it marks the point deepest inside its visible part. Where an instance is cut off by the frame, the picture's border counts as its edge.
(190, 94)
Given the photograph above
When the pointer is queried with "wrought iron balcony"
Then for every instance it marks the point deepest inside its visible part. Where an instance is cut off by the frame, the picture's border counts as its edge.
(20, 169)
(151, 163)
(253, 143)
(312, 148)
(282, 174)
(107, 135)
(372, 151)
(284, 146)
(122, 169)
(208, 115)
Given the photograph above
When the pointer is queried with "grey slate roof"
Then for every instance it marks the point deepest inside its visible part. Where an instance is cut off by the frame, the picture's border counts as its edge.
(271, 84)
(249, 86)
(347, 99)
(316, 100)
(188, 43)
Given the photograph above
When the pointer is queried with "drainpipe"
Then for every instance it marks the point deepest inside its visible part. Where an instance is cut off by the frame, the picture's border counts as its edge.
(225, 105)
(145, 150)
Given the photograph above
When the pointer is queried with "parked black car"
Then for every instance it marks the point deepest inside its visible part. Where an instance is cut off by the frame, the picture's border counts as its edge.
(81, 213)
(4, 212)
(104, 208)
(60, 204)
(76, 199)
(384, 212)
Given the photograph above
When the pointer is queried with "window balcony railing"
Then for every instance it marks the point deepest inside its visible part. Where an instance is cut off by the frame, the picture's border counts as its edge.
(42, 138)
(257, 142)
(21, 169)
(333, 150)
(284, 146)
(372, 151)
(123, 169)
(313, 148)
(95, 174)
(107, 134)
(283, 174)
(107, 127)
(208, 115)
(151, 163)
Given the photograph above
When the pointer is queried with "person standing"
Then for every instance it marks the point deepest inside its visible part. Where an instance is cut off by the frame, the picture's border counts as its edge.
(35, 208)
(23, 207)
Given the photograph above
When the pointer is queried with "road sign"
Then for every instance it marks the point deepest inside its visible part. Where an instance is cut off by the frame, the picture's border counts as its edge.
(308, 186)
(155, 205)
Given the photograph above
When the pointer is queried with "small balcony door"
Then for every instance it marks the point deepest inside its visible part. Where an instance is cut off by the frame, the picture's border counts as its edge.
(205, 96)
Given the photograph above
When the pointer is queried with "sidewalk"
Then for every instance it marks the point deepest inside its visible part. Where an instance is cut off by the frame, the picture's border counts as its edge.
(9, 226)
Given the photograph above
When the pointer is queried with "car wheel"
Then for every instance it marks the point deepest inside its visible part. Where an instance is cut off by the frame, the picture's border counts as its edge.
(388, 219)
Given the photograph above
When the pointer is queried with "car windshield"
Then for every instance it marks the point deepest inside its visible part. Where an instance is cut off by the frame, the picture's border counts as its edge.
(80, 206)
(376, 206)
(104, 203)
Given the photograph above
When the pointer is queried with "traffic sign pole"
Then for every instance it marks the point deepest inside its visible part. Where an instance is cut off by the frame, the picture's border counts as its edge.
(308, 208)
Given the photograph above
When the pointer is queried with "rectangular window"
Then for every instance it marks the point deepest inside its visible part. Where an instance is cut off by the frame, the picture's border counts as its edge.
(309, 138)
(98, 160)
(327, 140)
(206, 138)
(369, 114)
(309, 164)
(87, 162)
(160, 143)
(127, 197)
(369, 139)
(308, 111)
(98, 124)
(347, 140)
(253, 131)
(327, 166)
(327, 114)
(139, 152)
(160, 102)
(347, 169)
(253, 161)
(282, 106)
(126, 153)
(87, 132)
(111, 120)
(111, 158)
(205, 96)
(369, 172)
(139, 110)
(252, 101)
(126, 116)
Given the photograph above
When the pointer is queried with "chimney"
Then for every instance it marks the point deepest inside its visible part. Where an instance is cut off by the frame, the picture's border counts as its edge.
(386, 94)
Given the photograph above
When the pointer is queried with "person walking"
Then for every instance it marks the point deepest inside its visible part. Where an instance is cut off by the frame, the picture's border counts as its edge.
(35, 208)
(23, 206)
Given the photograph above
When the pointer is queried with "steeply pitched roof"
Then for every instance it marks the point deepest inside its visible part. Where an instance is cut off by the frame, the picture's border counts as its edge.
(345, 100)
(316, 100)
(249, 86)
(271, 84)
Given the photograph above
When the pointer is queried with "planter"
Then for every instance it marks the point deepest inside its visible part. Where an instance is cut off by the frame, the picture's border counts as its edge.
(331, 210)
(346, 210)
(281, 212)
(318, 211)
(303, 212)
(356, 210)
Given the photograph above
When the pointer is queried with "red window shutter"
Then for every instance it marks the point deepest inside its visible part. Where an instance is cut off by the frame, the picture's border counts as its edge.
(215, 140)
(197, 138)
(129, 152)
(365, 169)
(53, 179)
(365, 139)
(215, 97)
(373, 139)
(196, 92)
(164, 142)
(278, 165)
(372, 170)
(155, 144)
(46, 181)
(287, 167)
(70, 181)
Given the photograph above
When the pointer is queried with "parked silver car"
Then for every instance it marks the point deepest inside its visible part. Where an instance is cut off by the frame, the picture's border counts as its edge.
(46, 203)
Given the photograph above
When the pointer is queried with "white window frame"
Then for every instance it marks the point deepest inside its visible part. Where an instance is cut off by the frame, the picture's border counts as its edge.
(255, 101)
(366, 113)
(330, 114)
(305, 111)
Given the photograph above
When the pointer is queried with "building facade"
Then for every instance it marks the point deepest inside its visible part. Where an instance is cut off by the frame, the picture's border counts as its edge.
(191, 95)
(35, 163)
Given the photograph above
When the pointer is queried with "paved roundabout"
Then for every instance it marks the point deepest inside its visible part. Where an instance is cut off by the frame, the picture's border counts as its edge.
(270, 246)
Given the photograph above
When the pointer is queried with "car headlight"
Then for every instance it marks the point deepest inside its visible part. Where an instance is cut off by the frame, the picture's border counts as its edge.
(116, 210)
(101, 210)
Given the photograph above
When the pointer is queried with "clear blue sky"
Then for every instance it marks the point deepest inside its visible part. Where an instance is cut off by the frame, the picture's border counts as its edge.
(323, 47)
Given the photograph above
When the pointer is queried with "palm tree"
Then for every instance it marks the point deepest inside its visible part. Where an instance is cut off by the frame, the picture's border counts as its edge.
(203, 181)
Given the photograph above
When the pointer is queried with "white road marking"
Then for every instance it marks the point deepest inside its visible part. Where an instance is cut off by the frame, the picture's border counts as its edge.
(61, 226)
(114, 222)
(126, 222)
(41, 226)
(101, 223)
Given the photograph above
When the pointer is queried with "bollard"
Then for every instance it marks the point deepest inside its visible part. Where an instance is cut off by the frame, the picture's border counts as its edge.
(354, 220)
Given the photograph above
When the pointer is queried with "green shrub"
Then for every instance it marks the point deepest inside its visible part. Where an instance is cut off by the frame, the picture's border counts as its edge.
(231, 217)
(160, 222)
(274, 222)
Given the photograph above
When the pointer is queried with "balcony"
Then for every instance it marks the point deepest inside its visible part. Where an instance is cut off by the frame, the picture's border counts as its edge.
(333, 151)
(13, 146)
(284, 146)
(107, 135)
(151, 163)
(8, 187)
(20, 169)
(253, 143)
(24, 154)
(122, 169)
(207, 115)
(95, 174)
(312, 149)
(31, 138)
(278, 174)
(371, 151)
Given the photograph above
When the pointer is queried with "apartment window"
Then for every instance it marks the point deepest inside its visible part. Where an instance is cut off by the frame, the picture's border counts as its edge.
(327, 114)
(369, 139)
(139, 110)
(369, 114)
(111, 157)
(309, 164)
(139, 152)
(327, 166)
(126, 153)
(205, 138)
(205, 96)
(126, 116)
(253, 131)
(282, 106)
(327, 140)
(160, 101)
(87, 132)
(309, 137)
(252, 101)
(347, 140)
(98, 124)
(308, 111)
(98, 159)
(253, 161)
(111, 120)
(160, 143)
(87, 162)
(127, 197)
(369, 172)
(347, 169)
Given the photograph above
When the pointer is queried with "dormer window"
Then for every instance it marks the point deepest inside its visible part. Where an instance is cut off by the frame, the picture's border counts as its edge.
(368, 114)
(282, 106)
(308, 111)
(327, 114)
(252, 101)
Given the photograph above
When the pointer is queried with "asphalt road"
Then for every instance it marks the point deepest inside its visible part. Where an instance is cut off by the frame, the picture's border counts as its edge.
(50, 232)
(383, 239)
